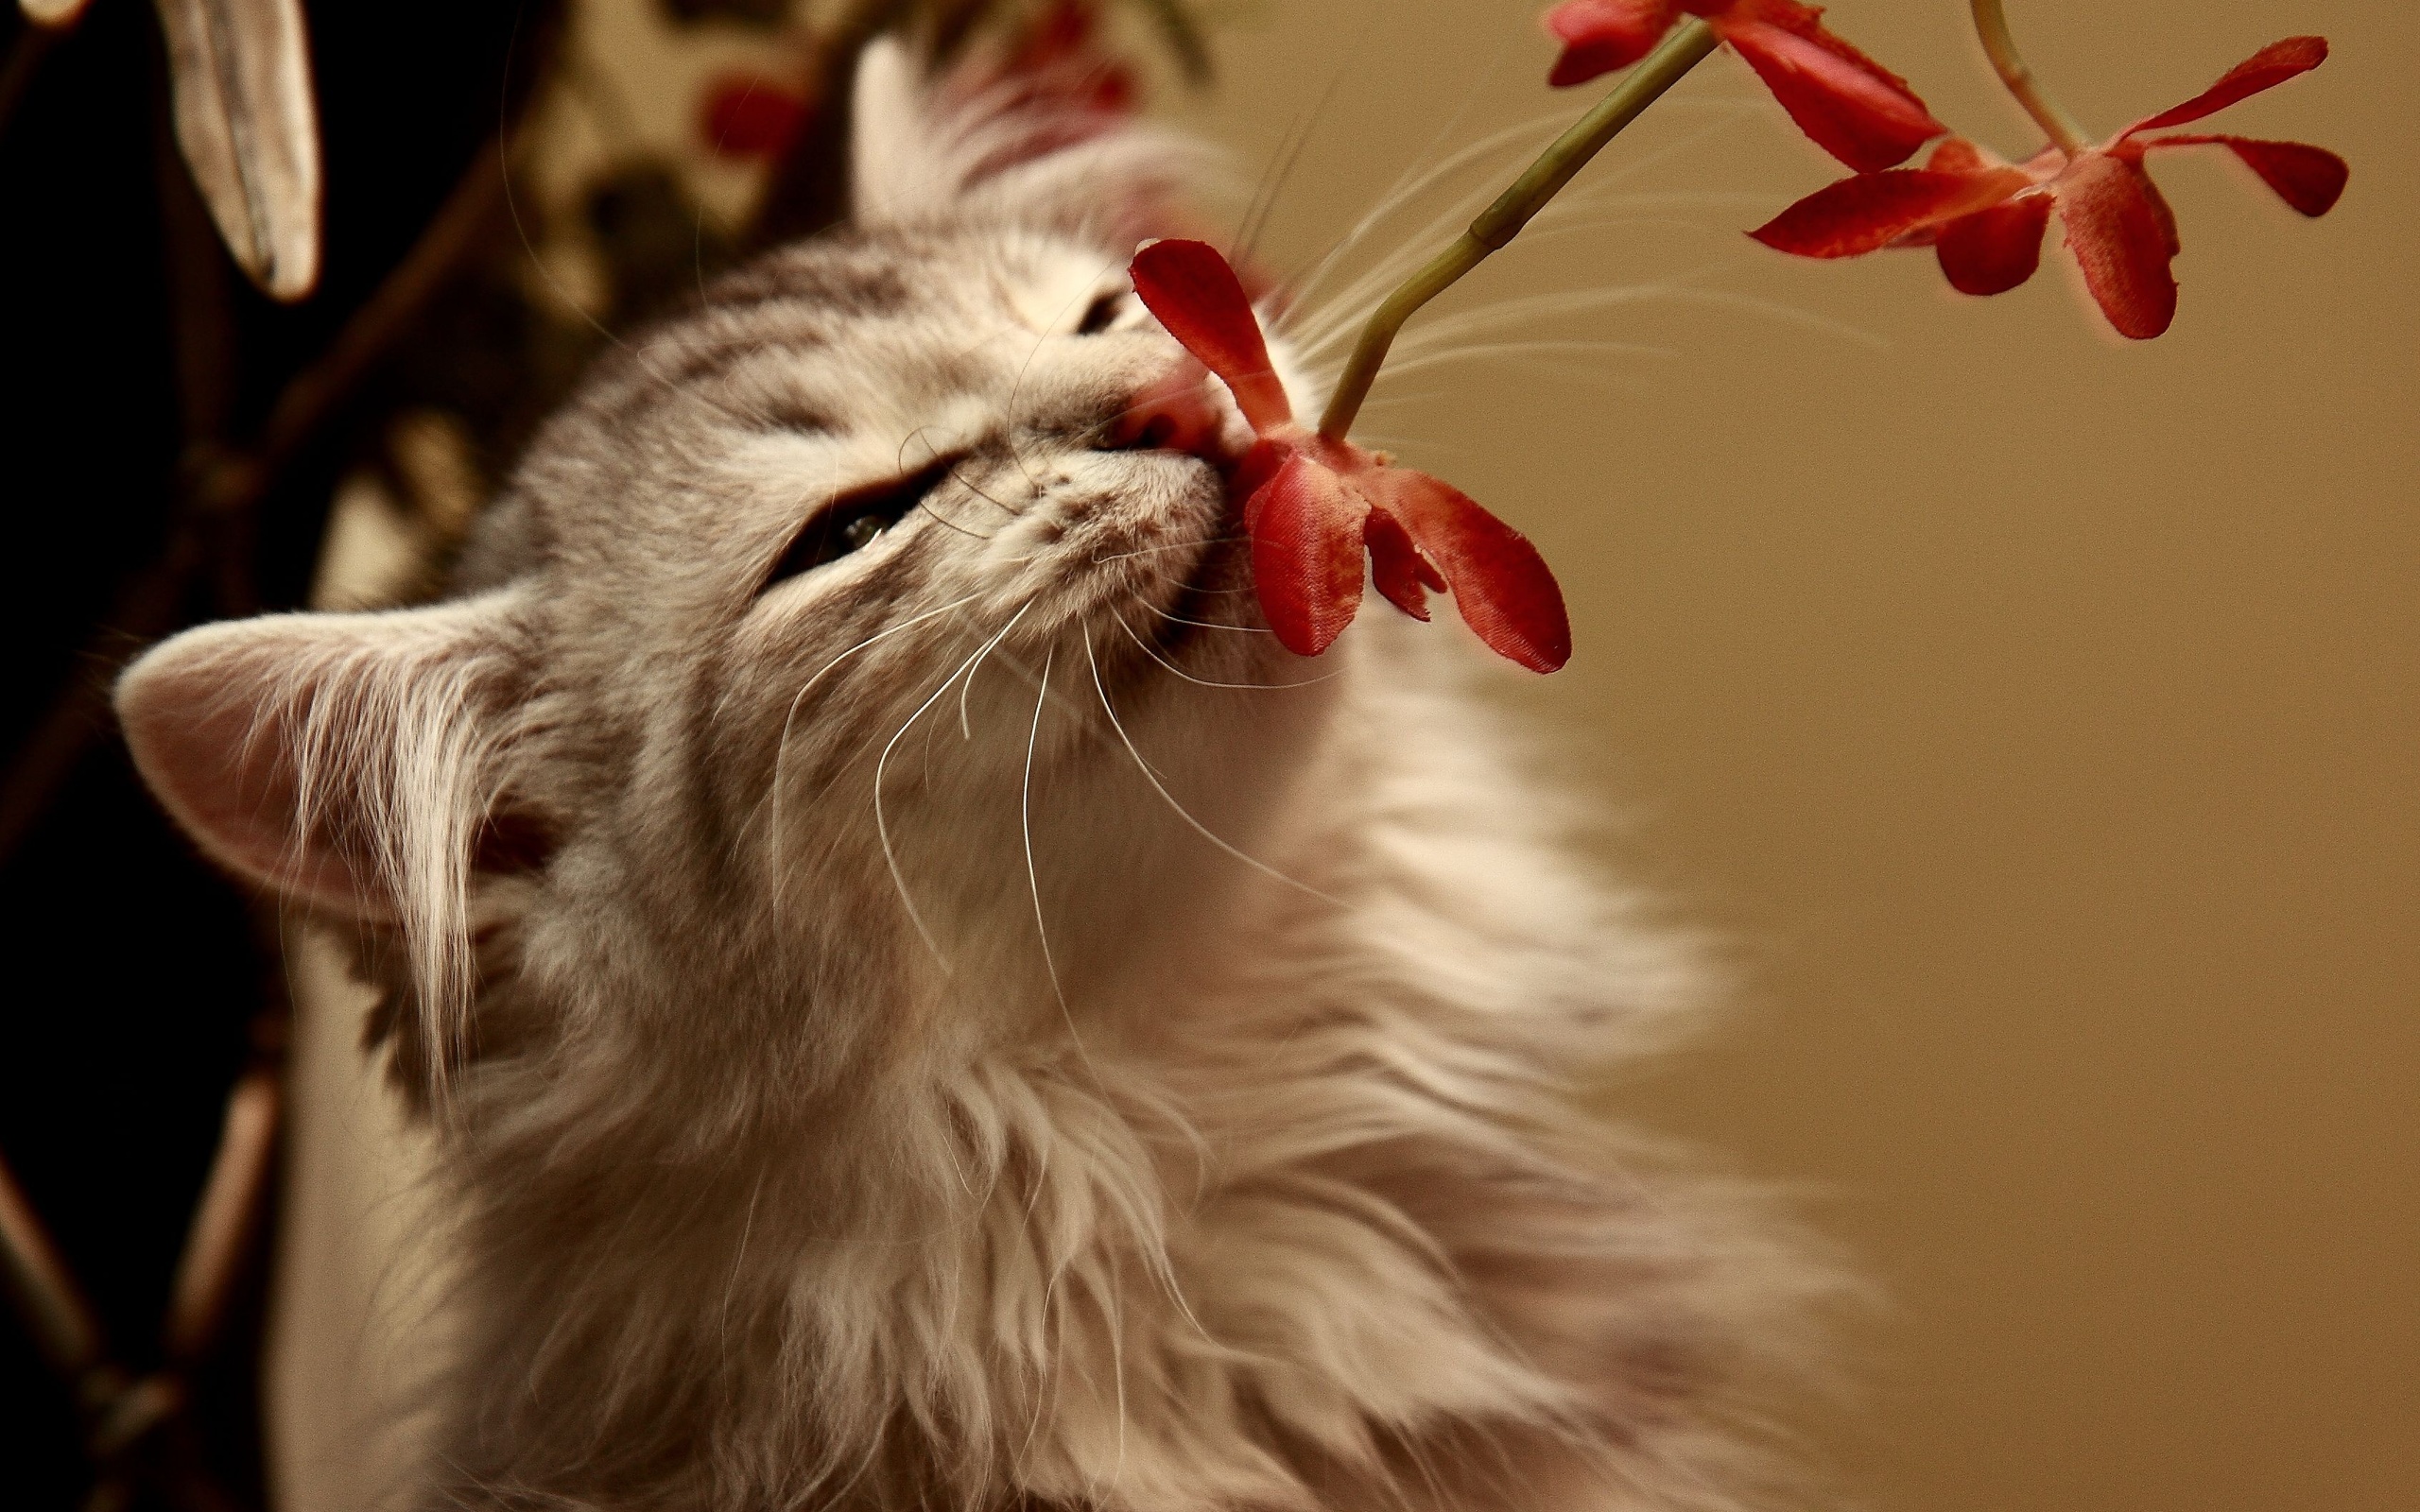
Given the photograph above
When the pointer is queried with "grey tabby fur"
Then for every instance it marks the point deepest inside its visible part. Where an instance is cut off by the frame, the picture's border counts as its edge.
(977, 1024)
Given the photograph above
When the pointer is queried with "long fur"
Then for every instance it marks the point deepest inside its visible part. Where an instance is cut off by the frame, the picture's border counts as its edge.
(984, 1027)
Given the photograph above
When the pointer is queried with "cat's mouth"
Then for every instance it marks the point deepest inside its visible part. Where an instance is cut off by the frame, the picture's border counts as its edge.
(1202, 595)
(1185, 598)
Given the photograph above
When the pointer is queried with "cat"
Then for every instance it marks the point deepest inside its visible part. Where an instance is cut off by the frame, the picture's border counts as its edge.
(919, 1000)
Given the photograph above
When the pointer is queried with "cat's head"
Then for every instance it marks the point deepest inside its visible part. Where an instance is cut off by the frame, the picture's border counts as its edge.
(846, 639)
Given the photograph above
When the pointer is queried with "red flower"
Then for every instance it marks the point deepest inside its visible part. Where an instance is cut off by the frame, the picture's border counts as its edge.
(749, 115)
(1313, 505)
(1857, 109)
(1985, 219)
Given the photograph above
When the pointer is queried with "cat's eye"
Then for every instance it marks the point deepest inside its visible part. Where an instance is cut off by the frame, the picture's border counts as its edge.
(857, 519)
(1103, 315)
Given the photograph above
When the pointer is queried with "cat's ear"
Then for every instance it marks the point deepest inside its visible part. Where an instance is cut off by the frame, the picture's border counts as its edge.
(900, 170)
(347, 761)
(985, 146)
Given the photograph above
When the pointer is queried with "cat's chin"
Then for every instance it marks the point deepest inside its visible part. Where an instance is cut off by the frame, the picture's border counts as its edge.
(1197, 621)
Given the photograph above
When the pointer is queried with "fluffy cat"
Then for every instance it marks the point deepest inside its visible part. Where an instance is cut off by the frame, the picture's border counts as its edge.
(920, 1001)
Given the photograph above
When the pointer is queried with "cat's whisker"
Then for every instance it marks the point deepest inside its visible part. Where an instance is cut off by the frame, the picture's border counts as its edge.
(1490, 350)
(926, 504)
(1409, 187)
(1246, 687)
(966, 684)
(1181, 812)
(986, 497)
(790, 719)
(1414, 182)
(1155, 551)
(1186, 586)
(1419, 347)
(1202, 625)
(1353, 307)
(1033, 876)
(882, 822)
(924, 507)
(1280, 170)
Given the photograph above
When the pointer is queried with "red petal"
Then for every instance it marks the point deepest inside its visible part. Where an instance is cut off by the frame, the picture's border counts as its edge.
(1856, 110)
(1307, 554)
(2308, 178)
(1958, 155)
(1198, 297)
(1500, 583)
(2123, 239)
(1599, 36)
(1397, 569)
(1993, 251)
(1262, 463)
(1872, 210)
(2265, 69)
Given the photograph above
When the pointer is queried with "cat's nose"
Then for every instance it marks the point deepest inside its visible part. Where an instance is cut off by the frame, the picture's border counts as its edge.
(1180, 413)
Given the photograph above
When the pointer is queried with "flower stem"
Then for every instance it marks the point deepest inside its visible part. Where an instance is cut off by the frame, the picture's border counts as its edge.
(1686, 47)
(1990, 24)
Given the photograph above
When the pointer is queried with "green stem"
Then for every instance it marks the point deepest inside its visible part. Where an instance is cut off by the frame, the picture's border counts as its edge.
(1990, 24)
(1686, 47)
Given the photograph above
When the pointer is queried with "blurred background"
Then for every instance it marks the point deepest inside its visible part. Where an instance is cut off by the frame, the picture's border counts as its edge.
(2034, 715)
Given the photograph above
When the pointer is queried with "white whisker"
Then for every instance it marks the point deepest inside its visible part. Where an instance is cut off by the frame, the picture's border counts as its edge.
(966, 685)
(1525, 348)
(1410, 186)
(1202, 625)
(1352, 307)
(1033, 874)
(882, 823)
(1250, 687)
(1154, 550)
(782, 745)
(1161, 788)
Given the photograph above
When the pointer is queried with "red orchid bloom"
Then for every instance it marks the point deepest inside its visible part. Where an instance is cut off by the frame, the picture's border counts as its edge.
(1985, 219)
(1314, 505)
(1854, 107)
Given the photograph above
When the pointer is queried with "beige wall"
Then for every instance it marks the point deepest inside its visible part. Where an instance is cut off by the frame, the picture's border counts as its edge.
(2035, 711)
